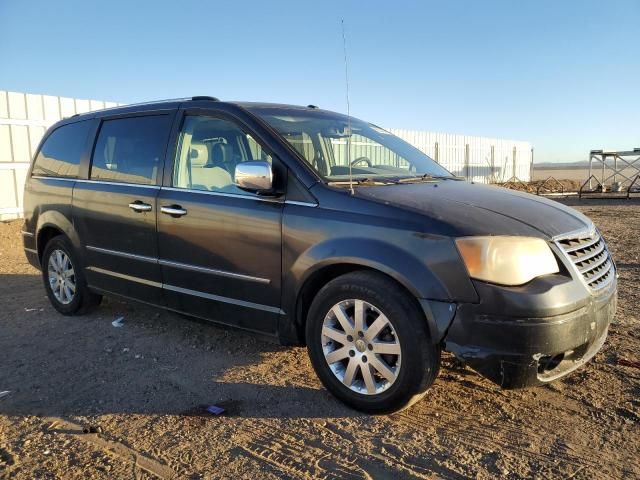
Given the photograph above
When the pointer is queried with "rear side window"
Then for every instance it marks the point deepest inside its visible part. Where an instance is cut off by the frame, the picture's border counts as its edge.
(61, 152)
(131, 150)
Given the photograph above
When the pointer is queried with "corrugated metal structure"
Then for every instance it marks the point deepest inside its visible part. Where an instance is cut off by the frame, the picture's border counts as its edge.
(480, 159)
(25, 117)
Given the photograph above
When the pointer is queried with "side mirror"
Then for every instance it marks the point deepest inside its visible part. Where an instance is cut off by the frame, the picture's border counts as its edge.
(256, 177)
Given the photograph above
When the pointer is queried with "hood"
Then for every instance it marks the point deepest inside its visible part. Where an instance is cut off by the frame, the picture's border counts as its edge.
(477, 209)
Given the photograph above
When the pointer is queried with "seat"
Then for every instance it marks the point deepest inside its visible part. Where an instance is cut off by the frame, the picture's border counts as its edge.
(204, 174)
(222, 156)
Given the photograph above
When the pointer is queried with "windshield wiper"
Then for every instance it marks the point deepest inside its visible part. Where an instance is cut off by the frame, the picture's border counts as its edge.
(372, 181)
(365, 181)
(426, 177)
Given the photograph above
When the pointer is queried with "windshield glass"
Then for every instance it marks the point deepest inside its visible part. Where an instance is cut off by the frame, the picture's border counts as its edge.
(322, 139)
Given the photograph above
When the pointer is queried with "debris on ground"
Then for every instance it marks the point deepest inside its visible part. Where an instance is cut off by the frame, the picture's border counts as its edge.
(214, 409)
(553, 185)
(118, 322)
(92, 429)
(628, 363)
(5, 393)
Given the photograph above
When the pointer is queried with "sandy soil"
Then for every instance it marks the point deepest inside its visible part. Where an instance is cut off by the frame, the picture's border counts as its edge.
(141, 387)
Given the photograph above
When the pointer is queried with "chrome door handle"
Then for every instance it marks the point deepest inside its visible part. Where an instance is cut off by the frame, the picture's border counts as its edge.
(174, 210)
(140, 207)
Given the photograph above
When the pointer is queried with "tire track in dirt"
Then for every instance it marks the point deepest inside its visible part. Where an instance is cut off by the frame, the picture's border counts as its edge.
(303, 454)
(401, 464)
(114, 448)
(417, 465)
(298, 461)
(448, 428)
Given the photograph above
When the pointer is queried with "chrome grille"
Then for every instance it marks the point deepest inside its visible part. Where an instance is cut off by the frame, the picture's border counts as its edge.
(589, 254)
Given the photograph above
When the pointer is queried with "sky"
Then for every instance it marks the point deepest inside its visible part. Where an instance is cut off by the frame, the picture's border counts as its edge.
(563, 75)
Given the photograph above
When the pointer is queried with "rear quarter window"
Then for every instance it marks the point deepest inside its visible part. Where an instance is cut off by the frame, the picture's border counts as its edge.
(62, 150)
(131, 150)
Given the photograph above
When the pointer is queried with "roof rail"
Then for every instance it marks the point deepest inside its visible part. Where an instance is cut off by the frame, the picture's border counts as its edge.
(205, 97)
(139, 104)
(168, 100)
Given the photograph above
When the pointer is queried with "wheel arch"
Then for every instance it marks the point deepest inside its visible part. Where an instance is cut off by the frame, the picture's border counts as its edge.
(52, 224)
(45, 234)
(328, 271)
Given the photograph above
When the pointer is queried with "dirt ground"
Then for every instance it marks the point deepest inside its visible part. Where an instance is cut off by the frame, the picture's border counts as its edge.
(560, 185)
(140, 386)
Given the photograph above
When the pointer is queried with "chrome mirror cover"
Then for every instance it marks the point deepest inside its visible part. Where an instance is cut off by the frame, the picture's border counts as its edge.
(255, 176)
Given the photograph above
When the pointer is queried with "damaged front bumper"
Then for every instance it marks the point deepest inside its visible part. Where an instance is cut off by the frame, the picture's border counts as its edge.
(519, 337)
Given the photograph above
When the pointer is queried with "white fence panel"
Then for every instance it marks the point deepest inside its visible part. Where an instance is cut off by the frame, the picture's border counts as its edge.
(479, 159)
(24, 118)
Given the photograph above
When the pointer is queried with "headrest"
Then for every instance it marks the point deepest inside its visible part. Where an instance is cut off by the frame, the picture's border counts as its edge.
(198, 154)
(221, 154)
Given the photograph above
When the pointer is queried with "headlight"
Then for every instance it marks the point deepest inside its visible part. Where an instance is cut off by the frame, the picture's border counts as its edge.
(506, 260)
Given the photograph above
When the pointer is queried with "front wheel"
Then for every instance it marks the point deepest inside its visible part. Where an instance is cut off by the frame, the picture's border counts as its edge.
(63, 279)
(369, 344)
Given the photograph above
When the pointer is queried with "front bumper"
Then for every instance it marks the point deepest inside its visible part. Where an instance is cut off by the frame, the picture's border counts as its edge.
(519, 337)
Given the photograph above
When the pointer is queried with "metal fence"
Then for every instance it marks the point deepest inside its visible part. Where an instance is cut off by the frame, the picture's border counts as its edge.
(479, 159)
(25, 117)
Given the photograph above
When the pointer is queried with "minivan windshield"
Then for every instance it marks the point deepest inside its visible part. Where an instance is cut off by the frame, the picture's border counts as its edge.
(322, 139)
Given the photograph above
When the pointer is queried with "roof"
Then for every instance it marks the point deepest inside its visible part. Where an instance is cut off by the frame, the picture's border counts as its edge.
(197, 101)
(177, 102)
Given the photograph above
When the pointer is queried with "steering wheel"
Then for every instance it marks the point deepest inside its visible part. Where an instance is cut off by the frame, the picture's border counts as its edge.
(362, 159)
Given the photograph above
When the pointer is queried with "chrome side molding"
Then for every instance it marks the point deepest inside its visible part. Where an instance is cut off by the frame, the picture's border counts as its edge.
(301, 204)
(184, 266)
(212, 271)
(188, 291)
(117, 253)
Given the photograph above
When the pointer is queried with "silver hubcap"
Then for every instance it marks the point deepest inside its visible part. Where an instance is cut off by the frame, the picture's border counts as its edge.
(62, 278)
(361, 347)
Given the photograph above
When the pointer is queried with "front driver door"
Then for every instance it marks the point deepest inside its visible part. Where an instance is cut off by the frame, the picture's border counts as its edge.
(219, 246)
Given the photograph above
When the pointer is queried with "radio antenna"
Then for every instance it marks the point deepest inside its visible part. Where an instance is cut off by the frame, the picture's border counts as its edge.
(346, 81)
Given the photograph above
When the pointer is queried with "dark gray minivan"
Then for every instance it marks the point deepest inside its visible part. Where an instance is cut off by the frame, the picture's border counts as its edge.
(315, 228)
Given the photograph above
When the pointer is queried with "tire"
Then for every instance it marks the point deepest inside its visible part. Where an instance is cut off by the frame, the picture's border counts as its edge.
(74, 298)
(402, 344)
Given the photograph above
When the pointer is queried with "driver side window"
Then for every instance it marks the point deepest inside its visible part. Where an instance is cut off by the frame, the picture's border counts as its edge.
(208, 151)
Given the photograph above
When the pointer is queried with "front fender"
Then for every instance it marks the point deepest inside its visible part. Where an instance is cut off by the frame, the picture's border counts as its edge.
(428, 267)
(406, 268)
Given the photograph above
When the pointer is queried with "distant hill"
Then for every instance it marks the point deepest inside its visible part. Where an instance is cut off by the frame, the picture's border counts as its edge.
(561, 165)
(579, 164)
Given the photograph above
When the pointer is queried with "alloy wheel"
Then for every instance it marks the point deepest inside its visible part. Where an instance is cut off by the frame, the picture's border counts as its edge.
(62, 279)
(361, 347)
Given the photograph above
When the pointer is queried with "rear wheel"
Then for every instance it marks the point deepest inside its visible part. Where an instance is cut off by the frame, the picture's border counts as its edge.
(369, 344)
(63, 279)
